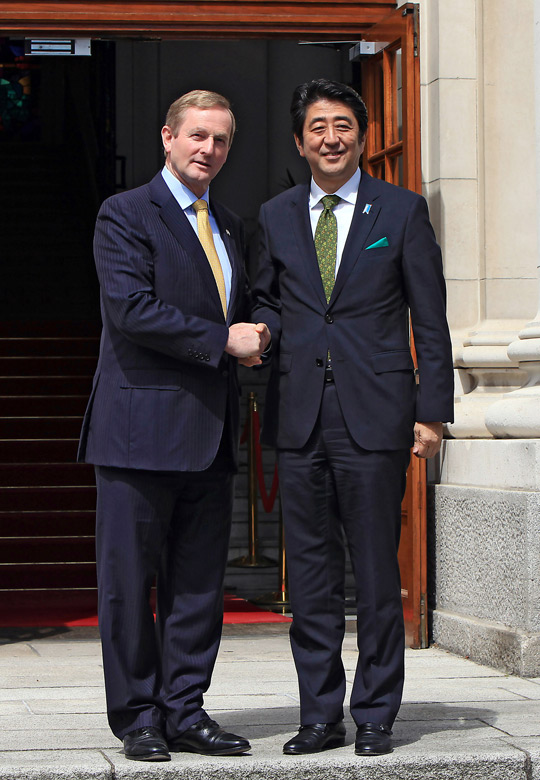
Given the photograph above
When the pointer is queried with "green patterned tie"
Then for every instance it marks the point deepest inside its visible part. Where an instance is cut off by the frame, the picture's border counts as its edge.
(326, 243)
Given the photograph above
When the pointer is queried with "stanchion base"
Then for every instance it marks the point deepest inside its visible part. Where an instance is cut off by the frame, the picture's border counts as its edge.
(278, 601)
(253, 561)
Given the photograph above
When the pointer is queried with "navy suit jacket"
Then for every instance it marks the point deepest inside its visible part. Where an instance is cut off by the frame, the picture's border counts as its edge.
(365, 325)
(163, 384)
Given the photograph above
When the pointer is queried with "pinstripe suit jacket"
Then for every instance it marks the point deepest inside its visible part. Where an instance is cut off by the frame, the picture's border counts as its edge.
(163, 384)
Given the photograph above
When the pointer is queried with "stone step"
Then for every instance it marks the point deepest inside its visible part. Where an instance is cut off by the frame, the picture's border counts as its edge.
(45, 385)
(46, 475)
(45, 365)
(38, 450)
(43, 576)
(49, 347)
(29, 523)
(48, 549)
(28, 499)
(43, 405)
(40, 427)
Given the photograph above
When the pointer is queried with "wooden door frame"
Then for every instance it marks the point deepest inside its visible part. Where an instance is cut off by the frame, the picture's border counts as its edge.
(399, 31)
(297, 19)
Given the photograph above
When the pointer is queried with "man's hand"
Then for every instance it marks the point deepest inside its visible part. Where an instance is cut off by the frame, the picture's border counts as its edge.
(427, 439)
(250, 361)
(247, 341)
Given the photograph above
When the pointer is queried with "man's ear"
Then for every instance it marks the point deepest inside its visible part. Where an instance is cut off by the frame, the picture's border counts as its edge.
(166, 137)
(299, 146)
(363, 142)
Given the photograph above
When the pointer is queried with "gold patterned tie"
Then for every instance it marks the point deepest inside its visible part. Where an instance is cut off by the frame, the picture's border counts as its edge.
(205, 237)
(326, 243)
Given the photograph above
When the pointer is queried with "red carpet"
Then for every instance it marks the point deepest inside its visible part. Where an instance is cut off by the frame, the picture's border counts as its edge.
(239, 610)
(39, 610)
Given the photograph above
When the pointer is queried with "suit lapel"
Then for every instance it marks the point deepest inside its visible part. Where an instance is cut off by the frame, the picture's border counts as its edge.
(301, 229)
(361, 226)
(233, 251)
(177, 222)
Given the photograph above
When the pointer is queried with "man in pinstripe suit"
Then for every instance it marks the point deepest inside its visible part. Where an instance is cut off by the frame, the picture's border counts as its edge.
(162, 430)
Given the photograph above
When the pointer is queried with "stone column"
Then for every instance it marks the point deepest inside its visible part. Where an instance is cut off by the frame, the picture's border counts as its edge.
(484, 521)
(517, 414)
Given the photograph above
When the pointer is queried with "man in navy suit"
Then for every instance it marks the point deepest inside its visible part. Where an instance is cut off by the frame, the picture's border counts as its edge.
(162, 429)
(343, 262)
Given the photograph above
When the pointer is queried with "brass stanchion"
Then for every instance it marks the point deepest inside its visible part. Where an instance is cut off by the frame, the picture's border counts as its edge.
(252, 559)
(278, 601)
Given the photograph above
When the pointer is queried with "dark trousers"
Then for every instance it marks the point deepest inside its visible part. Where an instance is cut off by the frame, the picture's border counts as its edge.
(175, 526)
(333, 488)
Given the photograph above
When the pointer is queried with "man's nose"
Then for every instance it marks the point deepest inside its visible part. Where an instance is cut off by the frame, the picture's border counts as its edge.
(208, 146)
(331, 137)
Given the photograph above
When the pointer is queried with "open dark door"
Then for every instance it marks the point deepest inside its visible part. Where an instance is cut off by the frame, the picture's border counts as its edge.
(391, 89)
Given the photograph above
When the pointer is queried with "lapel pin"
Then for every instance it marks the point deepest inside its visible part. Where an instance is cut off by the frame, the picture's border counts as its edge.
(227, 231)
(367, 208)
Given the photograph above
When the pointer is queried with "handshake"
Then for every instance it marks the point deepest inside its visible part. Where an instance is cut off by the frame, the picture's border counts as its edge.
(247, 342)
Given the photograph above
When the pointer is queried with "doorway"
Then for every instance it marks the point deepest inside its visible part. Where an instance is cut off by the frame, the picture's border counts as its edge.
(151, 73)
(95, 130)
(56, 148)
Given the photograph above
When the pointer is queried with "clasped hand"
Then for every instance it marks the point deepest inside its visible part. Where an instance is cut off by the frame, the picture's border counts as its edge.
(247, 342)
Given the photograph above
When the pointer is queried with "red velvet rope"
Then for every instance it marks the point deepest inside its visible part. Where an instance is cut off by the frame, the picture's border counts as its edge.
(268, 501)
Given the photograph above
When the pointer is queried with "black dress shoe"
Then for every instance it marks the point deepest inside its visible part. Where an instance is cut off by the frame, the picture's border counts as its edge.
(373, 739)
(208, 738)
(146, 744)
(315, 738)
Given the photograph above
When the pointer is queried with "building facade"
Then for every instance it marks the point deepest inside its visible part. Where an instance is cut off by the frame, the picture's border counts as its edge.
(480, 162)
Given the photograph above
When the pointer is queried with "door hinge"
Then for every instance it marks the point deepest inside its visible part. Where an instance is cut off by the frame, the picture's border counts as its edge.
(364, 49)
(423, 622)
(407, 12)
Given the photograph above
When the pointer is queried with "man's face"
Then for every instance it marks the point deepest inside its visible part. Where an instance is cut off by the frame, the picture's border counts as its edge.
(331, 143)
(200, 148)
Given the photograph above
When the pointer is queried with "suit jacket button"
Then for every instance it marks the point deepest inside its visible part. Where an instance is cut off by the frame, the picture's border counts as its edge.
(225, 373)
(319, 362)
(329, 319)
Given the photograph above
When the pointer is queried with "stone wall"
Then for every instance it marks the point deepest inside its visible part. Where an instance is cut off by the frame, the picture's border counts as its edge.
(480, 147)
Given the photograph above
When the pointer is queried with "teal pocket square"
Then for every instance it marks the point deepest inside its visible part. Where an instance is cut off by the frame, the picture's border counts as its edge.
(379, 243)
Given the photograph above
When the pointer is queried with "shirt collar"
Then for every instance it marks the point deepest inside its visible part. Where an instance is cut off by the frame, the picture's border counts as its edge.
(183, 195)
(348, 192)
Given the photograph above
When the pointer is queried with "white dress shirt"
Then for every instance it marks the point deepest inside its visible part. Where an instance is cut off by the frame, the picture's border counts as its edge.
(185, 199)
(344, 210)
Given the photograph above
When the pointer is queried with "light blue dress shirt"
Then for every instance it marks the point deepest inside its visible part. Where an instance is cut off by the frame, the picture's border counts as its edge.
(185, 199)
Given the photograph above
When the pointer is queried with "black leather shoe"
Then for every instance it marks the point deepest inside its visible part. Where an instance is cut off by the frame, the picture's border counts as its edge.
(315, 738)
(146, 744)
(373, 739)
(208, 738)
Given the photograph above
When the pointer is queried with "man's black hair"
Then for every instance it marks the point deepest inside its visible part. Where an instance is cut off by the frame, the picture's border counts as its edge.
(324, 89)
